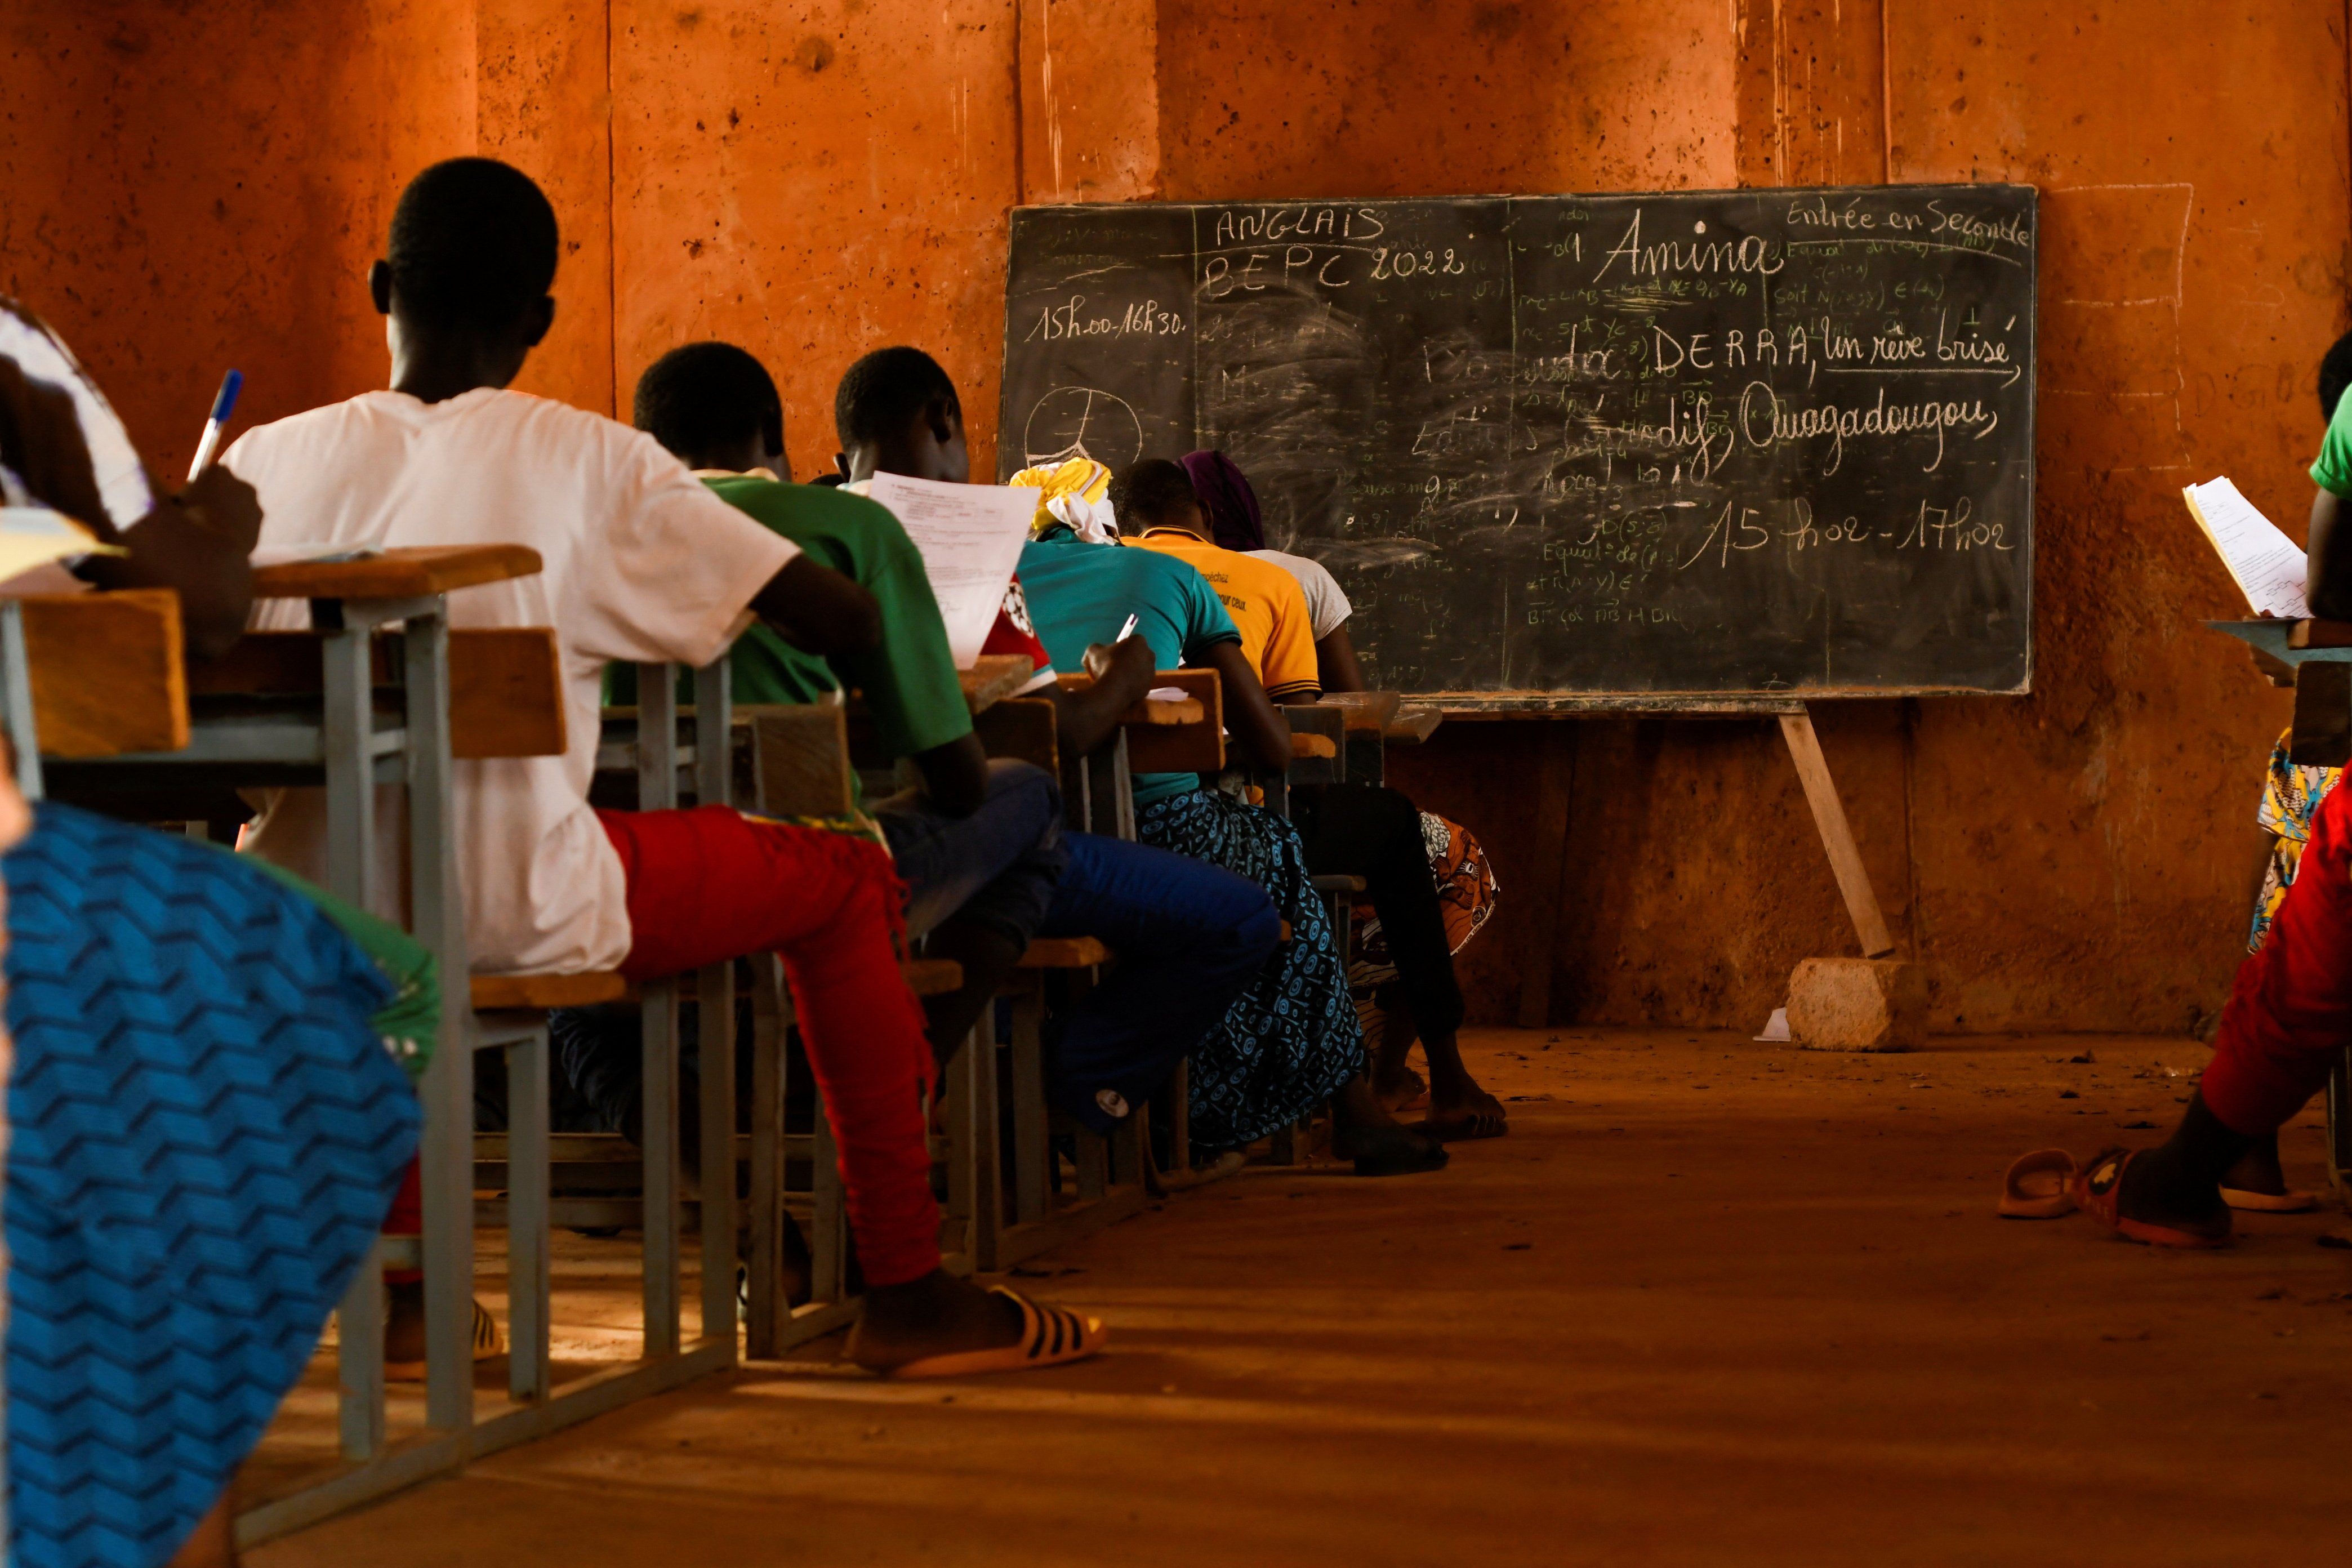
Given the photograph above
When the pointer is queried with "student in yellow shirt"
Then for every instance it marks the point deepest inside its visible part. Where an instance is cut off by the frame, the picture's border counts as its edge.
(1352, 830)
(1268, 608)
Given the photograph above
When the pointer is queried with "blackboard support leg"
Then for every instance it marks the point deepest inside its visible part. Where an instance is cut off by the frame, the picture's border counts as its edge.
(1837, 835)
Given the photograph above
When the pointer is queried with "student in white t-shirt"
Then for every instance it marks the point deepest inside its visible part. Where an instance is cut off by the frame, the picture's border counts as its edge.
(641, 563)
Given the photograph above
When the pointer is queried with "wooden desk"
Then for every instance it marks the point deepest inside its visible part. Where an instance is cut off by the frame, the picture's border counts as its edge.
(1411, 725)
(334, 735)
(1367, 712)
(993, 677)
(403, 574)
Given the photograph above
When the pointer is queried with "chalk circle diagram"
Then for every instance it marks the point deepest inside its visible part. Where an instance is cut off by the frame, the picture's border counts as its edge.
(1083, 422)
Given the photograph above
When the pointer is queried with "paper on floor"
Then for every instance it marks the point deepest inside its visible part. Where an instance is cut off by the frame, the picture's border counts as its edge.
(2268, 565)
(1776, 1027)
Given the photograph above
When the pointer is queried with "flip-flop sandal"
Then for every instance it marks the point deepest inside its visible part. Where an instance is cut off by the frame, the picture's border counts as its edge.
(2096, 1186)
(2040, 1185)
(2289, 1202)
(488, 1345)
(1396, 1151)
(1050, 1336)
(1429, 1128)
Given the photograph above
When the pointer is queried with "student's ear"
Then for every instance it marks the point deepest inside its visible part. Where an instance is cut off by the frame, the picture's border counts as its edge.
(942, 418)
(380, 287)
(840, 464)
(536, 325)
(771, 432)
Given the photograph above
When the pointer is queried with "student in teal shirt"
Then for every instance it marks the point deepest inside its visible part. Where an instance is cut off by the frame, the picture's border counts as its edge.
(1291, 1042)
(1176, 613)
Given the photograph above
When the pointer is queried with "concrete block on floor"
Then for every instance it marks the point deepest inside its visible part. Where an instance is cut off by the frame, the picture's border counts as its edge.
(1858, 1004)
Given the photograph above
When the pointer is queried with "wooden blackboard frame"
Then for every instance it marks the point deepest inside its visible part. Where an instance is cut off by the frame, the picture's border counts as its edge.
(1183, 251)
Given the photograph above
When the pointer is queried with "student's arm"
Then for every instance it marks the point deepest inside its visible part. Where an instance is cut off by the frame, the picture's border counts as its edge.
(1335, 662)
(2327, 586)
(1085, 719)
(955, 775)
(818, 610)
(1263, 733)
(62, 441)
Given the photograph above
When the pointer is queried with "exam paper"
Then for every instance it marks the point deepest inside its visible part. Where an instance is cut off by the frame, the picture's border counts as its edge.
(34, 536)
(970, 538)
(2268, 565)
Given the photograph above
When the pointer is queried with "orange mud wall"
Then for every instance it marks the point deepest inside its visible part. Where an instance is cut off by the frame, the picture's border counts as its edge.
(182, 187)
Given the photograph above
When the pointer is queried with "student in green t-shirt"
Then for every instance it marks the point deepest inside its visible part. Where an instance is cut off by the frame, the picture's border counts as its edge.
(2328, 584)
(978, 843)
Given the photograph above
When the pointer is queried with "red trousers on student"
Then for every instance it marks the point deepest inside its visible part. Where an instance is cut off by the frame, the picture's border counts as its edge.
(2289, 1011)
(709, 885)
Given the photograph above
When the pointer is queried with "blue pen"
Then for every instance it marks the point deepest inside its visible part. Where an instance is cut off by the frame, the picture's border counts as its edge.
(222, 406)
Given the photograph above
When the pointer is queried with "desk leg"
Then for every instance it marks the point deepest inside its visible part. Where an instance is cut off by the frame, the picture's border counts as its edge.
(763, 1327)
(714, 771)
(16, 699)
(438, 921)
(349, 725)
(658, 791)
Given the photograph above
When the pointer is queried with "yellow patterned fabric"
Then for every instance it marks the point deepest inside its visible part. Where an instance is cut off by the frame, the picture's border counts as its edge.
(1076, 494)
(2290, 795)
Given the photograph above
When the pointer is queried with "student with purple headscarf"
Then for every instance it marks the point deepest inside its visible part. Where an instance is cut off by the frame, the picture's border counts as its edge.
(1236, 523)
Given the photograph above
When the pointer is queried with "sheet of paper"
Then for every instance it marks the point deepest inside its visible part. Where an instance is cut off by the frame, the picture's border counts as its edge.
(1169, 694)
(1776, 1028)
(970, 538)
(2268, 565)
(34, 536)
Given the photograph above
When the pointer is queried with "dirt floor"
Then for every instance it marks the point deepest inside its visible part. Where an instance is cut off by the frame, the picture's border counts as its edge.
(1711, 1303)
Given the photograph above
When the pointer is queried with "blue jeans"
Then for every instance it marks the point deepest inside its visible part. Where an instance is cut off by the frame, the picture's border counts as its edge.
(1189, 939)
(998, 867)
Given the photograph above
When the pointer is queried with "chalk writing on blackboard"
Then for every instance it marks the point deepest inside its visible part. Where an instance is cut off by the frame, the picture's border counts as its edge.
(1717, 442)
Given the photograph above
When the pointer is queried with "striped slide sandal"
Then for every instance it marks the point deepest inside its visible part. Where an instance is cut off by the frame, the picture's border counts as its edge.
(1050, 1336)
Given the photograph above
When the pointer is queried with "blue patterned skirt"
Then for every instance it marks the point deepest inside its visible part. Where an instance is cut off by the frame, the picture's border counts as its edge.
(206, 1135)
(1289, 1042)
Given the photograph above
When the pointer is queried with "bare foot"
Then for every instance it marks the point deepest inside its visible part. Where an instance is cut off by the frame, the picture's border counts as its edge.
(1393, 1079)
(936, 1315)
(2258, 1169)
(1402, 1090)
(1458, 1108)
(1363, 1131)
(2156, 1190)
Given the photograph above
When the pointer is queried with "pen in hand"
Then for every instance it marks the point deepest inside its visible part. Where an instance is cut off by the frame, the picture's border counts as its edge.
(222, 406)
(1126, 631)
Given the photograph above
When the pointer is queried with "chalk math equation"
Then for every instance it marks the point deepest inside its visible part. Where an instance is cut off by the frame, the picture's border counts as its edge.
(1715, 442)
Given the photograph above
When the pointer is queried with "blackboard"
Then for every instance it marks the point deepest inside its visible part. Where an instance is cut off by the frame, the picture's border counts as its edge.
(1760, 443)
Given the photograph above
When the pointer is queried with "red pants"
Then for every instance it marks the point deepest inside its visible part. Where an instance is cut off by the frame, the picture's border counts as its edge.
(709, 885)
(2290, 1012)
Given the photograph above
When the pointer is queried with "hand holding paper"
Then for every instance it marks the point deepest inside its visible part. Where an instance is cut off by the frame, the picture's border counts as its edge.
(970, 538)
(2268, 565)
(34, 536)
